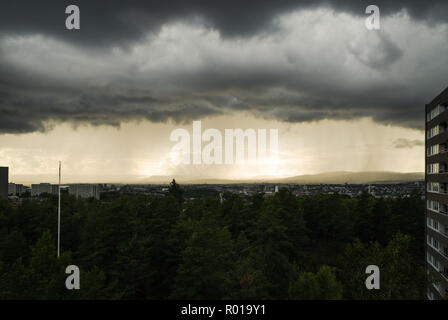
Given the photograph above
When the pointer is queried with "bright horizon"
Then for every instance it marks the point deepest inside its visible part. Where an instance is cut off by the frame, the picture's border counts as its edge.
(138, 151)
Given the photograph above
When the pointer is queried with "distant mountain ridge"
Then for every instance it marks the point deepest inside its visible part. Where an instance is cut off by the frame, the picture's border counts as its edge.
(357, 177)
(337, 177)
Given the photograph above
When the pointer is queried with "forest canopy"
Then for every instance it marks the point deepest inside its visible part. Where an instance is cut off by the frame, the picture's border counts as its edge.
(257, 247)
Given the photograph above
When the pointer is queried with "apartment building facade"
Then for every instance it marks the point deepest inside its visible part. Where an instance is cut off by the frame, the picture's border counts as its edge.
(15, 189)
(436, 179)
(38, 189)
(4, 171)
(85, 191)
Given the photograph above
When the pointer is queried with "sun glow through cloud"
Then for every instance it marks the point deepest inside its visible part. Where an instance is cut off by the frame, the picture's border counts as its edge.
(139, 151)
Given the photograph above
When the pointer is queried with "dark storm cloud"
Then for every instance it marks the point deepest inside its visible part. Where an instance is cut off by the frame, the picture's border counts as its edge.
(27, 112)
(32, 100)
(118, 23)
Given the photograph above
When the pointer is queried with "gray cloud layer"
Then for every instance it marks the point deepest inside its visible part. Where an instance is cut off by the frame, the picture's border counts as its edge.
(403, 143)
(117, 22)
(182, 60)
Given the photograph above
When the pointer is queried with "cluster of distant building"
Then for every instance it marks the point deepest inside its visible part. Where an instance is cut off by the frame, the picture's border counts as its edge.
(199, 190)
(193, 191)
(18, 190)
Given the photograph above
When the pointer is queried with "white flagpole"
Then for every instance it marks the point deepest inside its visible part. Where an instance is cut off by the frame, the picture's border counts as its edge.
(59, 210)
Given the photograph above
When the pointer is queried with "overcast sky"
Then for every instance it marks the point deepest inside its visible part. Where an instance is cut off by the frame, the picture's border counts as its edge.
(138, 69)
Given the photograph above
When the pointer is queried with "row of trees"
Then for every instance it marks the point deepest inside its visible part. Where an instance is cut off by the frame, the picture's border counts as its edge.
(280, 247)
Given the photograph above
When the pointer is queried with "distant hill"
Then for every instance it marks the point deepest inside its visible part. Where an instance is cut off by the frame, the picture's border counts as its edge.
(356, 177)
(338, 177)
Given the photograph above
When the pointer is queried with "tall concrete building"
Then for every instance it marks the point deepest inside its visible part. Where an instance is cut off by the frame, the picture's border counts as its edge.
(436, 178)
(85, 190)
(38, 189)
(15, 189)
(4, 172)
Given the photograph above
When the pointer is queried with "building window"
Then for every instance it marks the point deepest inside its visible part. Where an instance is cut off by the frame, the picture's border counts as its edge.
(433, 242)
(434, 112)
(432, 187)
(432, 132)
(445, 271)
(431, 295)
(432, 168)
(432, 205)
(433, 224)
(437, 286)
(433, 261)
(432, 150)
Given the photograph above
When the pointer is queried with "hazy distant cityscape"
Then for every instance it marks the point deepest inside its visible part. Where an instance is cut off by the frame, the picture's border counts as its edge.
(193, 191)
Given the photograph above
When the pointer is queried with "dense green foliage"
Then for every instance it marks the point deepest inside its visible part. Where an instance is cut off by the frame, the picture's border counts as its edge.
(280, 247)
